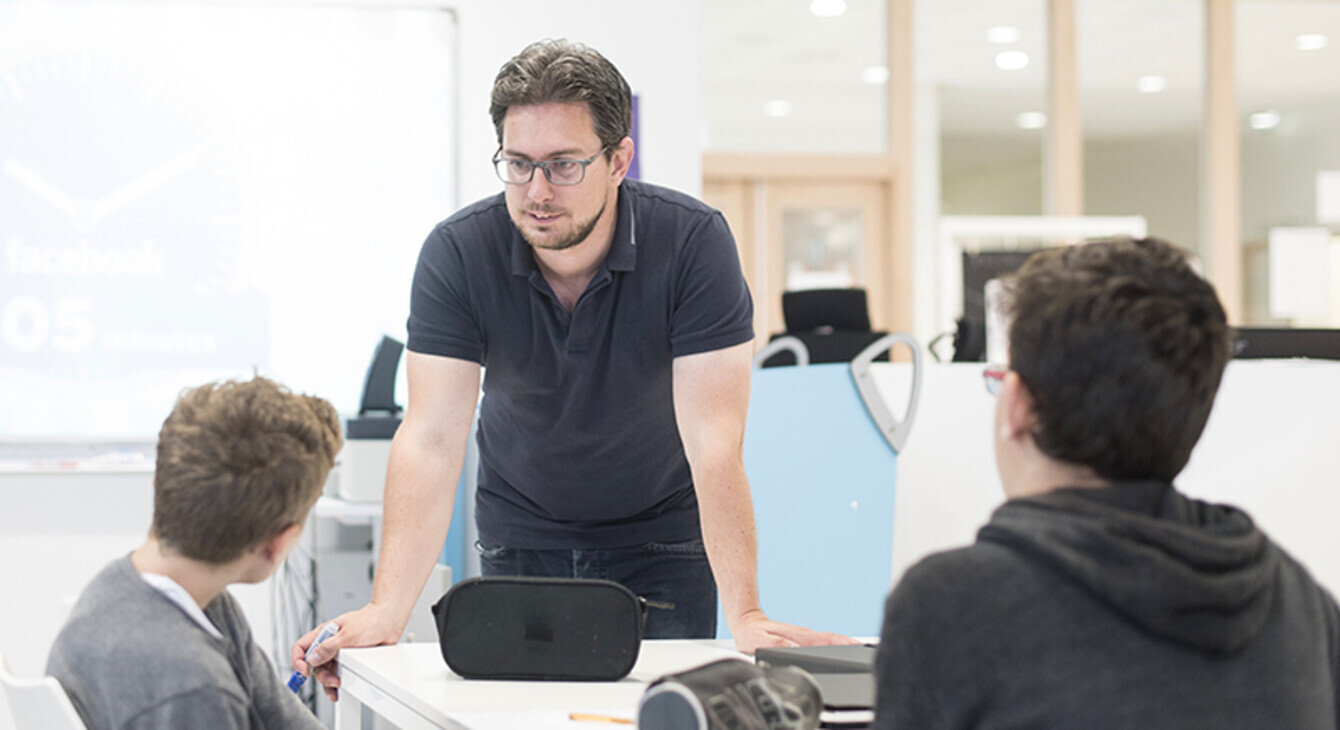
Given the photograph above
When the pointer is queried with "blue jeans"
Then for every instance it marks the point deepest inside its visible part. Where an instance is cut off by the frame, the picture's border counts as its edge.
(675, 573)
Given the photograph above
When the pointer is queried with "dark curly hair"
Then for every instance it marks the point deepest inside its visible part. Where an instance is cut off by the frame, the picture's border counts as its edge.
(1122, 346)
(561, 71)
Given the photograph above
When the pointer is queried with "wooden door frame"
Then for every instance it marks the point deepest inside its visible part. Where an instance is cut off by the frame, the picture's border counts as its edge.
(865, 195)
(748, 178)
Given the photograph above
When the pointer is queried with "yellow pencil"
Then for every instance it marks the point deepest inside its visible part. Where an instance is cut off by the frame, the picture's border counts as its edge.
(588, 717)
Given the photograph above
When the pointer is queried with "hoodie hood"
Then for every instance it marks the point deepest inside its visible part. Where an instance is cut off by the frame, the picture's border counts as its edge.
(1199, 574)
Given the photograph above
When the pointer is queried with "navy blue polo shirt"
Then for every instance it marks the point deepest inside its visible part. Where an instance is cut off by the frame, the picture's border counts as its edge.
(577, 437)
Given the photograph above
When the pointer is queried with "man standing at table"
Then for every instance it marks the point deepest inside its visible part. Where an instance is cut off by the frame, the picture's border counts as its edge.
(612, 324)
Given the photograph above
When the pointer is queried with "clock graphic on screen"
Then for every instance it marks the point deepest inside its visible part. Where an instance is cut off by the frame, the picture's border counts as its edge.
(119, 221)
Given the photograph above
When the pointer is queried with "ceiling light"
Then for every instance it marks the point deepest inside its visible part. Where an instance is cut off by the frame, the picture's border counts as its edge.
(1311, 42)
(828, 8)
(875, 74)
(1011, 60)
(1031, 120)
(1151, 84)
(1003, 34)
(777, 108)
(1268, 119)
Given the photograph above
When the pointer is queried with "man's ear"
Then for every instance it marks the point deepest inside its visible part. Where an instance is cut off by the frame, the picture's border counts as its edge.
(1018, 406)
(621, 159)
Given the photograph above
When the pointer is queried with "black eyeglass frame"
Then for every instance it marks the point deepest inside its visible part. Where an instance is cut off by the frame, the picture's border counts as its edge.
(498, 168)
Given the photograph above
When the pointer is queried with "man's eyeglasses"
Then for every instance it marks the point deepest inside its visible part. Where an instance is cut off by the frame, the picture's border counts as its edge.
(516, 171)
(994, 376)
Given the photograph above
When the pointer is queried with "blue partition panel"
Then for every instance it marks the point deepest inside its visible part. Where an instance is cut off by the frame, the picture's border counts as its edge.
(823, 479)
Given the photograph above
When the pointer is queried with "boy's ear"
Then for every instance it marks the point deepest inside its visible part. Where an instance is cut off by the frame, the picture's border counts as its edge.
(1018, 404)
(276, 549)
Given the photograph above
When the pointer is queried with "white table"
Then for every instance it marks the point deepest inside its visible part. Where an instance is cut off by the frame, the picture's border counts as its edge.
(410, 685)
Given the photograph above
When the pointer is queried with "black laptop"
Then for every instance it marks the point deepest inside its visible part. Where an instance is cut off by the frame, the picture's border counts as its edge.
(845, 672)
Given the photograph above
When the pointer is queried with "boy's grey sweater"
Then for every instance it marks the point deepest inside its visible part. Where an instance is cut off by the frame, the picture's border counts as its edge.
(130, 658)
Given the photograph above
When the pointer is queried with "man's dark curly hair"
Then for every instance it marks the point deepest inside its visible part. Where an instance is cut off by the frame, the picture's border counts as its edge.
(561, 71)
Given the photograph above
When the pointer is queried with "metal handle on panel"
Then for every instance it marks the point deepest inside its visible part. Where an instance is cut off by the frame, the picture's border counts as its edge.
(894, 431)
(784, 343)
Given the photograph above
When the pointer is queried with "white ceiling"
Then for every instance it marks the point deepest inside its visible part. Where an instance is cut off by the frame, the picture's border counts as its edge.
(755, 51)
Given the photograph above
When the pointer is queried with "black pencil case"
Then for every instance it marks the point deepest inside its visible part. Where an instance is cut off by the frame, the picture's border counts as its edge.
(540, 628)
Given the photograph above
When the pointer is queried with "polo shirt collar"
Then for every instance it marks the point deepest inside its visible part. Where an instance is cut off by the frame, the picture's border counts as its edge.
(622, 255)
(623, 249)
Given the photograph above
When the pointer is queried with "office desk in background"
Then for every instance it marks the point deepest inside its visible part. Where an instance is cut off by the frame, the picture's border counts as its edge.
(410, 685)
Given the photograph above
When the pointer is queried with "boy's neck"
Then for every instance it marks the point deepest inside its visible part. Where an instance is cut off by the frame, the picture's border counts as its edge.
(204, 581)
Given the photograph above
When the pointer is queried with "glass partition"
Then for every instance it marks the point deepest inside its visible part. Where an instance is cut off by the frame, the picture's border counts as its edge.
(989, 100)
(794, 77)
(1288, 73)
(1142, 98)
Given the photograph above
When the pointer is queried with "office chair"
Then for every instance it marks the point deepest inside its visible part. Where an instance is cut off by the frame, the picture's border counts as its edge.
(38, 703)
(833, 325)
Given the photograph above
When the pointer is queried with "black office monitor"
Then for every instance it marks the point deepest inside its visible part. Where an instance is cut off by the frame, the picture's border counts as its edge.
(979, 268)
(379, 385)
(1256, 343)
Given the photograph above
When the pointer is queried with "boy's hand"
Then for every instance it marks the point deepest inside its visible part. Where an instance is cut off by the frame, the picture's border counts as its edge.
(368, 626)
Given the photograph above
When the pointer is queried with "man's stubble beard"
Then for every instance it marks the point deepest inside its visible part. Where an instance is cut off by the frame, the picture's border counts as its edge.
(578, 234)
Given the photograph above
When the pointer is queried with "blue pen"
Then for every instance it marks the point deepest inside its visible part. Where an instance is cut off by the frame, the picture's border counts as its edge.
(295, 682)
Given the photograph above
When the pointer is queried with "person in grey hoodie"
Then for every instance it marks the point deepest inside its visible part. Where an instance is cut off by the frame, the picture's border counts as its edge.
(1098, 596)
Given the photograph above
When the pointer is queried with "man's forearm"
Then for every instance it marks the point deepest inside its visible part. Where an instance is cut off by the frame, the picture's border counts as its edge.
(416, 511)
(711, 402)
(727, 516)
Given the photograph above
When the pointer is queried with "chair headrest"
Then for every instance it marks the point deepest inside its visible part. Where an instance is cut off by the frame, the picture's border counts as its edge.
(812, 309)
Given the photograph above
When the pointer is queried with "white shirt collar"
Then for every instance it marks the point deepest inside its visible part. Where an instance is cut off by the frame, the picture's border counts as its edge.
(179, 596)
